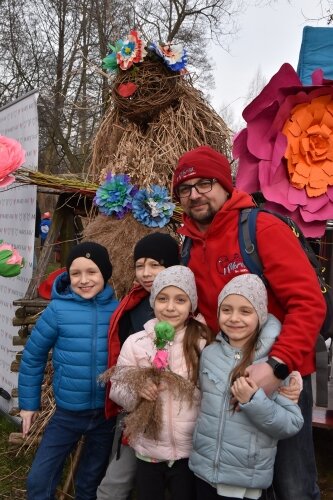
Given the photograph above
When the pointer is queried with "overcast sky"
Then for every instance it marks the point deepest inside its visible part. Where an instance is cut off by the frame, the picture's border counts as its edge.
(268, 37)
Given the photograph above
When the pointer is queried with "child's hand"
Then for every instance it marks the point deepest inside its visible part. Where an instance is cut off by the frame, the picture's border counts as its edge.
(243, 388)
(293, 390)
(28, 418)
(150, 392)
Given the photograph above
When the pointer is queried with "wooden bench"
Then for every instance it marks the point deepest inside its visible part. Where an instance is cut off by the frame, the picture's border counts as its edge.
(322, 417)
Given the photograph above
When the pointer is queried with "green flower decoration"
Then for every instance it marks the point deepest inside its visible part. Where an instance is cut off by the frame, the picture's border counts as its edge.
(164, 333)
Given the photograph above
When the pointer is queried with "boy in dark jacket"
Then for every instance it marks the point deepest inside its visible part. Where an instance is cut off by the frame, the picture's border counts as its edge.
(75, 327)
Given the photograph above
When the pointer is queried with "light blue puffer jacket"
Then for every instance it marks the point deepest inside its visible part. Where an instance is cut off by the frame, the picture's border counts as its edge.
(239, 448)
(76, 330)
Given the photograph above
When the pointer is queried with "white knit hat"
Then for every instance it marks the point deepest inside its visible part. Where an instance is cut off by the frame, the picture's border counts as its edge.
(179, 276)
(252, 288)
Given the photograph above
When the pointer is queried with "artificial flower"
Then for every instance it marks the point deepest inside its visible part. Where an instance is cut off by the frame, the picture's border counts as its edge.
(174, 55)
(152, 207)
(132, 51)
(286, 150)
(127, 89)
(11, 262)
(110, 61)
(160, 360)
(164, 333)
(115, 195)
(12, 156)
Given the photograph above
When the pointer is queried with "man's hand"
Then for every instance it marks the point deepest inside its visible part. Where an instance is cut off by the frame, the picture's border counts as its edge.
(243, 388)
(263, 376)
(28, 417)
(150, 391)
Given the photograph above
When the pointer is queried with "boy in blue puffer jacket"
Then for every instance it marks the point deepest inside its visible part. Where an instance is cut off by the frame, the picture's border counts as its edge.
(75, 326)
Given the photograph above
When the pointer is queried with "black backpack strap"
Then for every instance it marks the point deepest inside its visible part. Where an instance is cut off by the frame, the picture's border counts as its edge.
(248, 241)
(185, 251)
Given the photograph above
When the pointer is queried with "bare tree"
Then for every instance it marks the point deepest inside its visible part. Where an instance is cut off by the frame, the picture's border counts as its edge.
(46, 45)
(57, 47)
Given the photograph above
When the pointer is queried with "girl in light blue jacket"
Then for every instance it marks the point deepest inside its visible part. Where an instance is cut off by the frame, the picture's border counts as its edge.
(236, 434)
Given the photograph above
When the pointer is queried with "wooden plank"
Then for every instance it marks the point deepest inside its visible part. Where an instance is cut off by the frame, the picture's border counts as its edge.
(322, 417)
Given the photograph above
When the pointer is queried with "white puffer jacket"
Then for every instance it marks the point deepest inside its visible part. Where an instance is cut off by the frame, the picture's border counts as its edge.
(179, 419)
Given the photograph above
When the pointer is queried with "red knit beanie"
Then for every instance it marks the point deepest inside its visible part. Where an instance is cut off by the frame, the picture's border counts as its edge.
(206, 163)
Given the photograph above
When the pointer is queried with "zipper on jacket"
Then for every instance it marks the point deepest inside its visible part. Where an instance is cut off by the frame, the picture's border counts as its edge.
(224, 409)
(94, 354)
(170, 419)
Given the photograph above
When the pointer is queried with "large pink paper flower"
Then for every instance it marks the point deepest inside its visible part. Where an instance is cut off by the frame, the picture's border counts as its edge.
(286, 150)
(12, 156)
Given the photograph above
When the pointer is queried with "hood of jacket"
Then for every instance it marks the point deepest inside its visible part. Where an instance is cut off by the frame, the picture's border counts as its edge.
(62, 290)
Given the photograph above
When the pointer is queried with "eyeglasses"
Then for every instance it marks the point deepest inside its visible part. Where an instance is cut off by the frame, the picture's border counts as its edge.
(203, 186)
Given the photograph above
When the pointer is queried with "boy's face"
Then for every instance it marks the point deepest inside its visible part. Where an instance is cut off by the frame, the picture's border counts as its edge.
(146, 270)
(86, 278)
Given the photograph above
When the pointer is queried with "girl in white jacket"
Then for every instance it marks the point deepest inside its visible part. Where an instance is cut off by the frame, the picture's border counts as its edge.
(163, 459)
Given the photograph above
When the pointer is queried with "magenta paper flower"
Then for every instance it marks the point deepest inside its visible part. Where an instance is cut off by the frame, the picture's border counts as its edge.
(160, 360)
(286, 150)
(12, 156)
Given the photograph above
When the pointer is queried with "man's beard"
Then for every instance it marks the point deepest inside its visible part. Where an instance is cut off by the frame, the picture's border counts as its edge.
(204, 218)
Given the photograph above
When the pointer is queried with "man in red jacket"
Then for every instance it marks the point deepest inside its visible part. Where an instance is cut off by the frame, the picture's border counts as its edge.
(203, 184)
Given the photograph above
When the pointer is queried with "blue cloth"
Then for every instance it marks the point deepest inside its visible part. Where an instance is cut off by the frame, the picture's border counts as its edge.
(61, 435)
(316, 52)
(44, 228)
(76, 330)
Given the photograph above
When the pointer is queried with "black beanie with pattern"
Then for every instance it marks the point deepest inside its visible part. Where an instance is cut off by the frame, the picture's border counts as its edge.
(95, 252)
(158, 246)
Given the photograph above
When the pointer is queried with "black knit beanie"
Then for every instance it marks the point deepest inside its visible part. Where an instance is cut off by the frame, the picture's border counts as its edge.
(158, 246)
(95, 252)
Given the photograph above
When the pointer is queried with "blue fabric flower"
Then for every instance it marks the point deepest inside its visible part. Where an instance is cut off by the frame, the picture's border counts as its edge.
(152, 207)
(173, 55)
(115, 195)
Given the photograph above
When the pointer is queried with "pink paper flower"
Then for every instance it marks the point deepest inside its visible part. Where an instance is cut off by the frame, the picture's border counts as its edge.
(160, 360)
(11, 262)
(286, 150)
(12, 156)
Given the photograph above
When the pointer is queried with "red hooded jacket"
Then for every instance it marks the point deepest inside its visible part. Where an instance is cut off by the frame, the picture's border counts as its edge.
(131, 300)
(294, 294)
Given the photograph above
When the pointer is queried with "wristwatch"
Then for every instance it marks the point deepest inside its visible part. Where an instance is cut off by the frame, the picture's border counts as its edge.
(280, 370)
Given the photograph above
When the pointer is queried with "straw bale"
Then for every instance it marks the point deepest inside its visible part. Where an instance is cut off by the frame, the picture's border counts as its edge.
(150, 153)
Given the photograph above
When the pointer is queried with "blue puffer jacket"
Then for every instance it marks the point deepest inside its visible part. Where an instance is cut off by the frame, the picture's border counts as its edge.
(238, 448)
(76, 330)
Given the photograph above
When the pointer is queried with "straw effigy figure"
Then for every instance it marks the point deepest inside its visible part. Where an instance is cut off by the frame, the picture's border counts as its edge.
(154, 116)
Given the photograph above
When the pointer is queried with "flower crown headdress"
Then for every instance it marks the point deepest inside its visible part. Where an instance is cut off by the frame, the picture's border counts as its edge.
(128, 52)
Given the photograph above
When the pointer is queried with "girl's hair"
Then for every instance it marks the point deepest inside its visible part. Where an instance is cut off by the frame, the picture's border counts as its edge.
(248, 351)
(195, 330)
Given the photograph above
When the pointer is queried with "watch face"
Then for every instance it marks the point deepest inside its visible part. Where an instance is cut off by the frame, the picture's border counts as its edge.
(281, 371)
